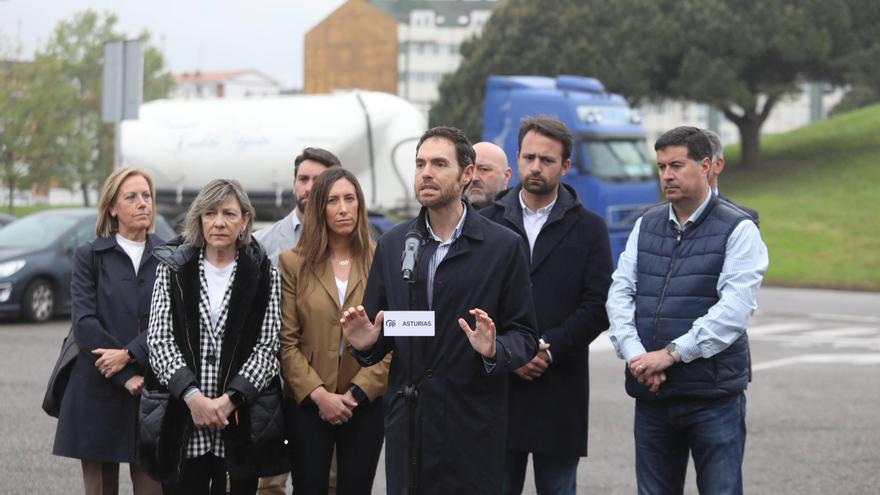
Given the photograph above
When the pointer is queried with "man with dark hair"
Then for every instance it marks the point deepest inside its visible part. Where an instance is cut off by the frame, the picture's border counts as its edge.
(284, 234)
(550, 127)
(680, 300)
(570, 258)
(472, 276)
(718, 167)
(491, 174)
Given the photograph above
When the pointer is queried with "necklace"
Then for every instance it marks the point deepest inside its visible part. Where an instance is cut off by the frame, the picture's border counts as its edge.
(344, 262)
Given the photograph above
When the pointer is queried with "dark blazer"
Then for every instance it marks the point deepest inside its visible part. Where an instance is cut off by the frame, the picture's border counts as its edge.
(462, 409)
(748, 211)
(98, 416)
(570, 273)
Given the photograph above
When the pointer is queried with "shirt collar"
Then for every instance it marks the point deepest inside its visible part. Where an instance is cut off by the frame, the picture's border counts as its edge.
(693, 218)
(455, 233)
(541, 211)
(295, 220)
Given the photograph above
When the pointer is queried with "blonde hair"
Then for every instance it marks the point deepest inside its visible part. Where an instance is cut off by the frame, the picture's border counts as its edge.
(107, 224)
(214, 193)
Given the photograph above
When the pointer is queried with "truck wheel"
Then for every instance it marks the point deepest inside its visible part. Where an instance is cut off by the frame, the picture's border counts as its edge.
(38, 303)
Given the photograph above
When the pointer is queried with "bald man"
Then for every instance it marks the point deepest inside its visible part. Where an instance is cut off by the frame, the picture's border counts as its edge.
(490, 177)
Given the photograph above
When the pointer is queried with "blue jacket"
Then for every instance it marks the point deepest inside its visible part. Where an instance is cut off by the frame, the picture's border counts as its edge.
(677, 279)
(462, 409)
(570, 271)
(97, 421)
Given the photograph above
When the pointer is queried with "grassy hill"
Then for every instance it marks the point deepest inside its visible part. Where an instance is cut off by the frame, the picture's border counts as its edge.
(818, 193)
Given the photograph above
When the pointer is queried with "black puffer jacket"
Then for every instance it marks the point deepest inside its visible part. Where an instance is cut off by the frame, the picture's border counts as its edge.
(255, 442)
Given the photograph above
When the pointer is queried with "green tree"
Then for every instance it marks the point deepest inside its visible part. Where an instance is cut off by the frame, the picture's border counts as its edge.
(32, 101)
(15, 121)
(741, 56)
(77, 45)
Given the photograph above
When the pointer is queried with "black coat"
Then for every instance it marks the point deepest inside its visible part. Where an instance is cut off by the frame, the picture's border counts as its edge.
(97, 421)
(571, 273)
(248, 304)
(462, 409)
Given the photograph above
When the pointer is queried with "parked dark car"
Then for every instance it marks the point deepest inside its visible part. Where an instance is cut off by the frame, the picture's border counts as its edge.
(36, 260)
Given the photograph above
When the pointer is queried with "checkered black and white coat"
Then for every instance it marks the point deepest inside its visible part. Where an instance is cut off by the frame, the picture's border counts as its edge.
(170, 362)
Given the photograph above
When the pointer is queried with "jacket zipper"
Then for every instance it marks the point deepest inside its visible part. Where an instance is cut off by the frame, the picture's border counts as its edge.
(665, 286)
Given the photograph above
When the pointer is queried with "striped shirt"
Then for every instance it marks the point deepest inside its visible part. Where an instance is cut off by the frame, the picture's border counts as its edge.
(440, 253)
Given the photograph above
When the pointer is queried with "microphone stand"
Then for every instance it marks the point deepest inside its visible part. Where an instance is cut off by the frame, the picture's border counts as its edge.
(410, 392)
(411, 396)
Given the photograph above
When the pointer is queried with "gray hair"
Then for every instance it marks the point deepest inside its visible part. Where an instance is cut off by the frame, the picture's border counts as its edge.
(715, 142)
(214, 193)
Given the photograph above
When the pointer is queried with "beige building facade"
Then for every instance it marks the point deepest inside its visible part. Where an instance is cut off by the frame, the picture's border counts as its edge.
(354, 47)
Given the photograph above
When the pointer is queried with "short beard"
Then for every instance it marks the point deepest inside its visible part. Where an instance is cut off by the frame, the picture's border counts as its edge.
(480, 200)
(301, 205)
(445, 198)
(541, 189)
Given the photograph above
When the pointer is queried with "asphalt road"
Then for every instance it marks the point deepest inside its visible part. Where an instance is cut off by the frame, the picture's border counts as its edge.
(812, 407)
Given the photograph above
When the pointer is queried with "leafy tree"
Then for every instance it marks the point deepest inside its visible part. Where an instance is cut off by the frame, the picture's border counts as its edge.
(863, 50)
(741, 56)
(14, 124)
(46, 98)
(32, 98)
(78, 45)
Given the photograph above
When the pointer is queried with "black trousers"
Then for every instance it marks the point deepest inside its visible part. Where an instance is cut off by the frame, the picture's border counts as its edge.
(358, 444)
(206, 475)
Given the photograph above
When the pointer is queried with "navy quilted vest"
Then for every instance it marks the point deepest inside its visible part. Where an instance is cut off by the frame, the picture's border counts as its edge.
(677, 275)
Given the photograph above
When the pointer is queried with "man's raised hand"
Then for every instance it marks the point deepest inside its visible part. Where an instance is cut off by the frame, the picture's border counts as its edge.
(482, 337)
(358, 330)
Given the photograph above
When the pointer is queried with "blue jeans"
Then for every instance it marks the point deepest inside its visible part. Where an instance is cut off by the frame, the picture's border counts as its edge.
(713, 431)
(554, 475)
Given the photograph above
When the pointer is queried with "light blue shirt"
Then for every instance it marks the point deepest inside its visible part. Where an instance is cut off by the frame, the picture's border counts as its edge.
(440, 253)
(745, 262)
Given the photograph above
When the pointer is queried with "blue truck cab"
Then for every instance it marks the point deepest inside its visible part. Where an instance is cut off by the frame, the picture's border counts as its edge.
(610, 166)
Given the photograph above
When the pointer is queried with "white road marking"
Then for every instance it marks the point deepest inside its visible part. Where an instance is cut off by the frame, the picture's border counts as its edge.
(841, 332)
(771, 328)
(796, 334)
(857, 359)
(852, 318)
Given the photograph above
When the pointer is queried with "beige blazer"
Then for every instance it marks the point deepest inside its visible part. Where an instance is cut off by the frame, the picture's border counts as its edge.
(310, 332)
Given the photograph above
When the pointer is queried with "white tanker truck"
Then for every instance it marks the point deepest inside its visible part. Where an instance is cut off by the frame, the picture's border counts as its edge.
(183, 144)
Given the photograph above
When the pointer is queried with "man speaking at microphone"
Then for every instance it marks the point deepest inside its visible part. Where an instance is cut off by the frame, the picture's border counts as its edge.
(471, 277)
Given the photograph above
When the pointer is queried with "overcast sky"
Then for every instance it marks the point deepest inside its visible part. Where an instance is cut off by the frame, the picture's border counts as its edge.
(211, 35)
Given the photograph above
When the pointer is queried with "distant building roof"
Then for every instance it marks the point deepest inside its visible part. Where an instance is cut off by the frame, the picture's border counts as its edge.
(206, 77)
(448, 11)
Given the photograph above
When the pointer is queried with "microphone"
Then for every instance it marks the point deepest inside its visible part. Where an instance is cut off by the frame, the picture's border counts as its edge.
(410, 256)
